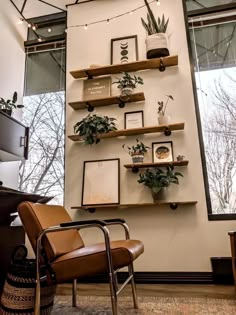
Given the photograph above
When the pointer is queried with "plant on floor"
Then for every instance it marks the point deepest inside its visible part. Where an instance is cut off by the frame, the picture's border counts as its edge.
(156, 179)
(90, 127)
(8, 105)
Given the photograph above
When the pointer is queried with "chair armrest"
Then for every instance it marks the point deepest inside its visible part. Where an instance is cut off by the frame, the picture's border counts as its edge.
(80, 223)
(232, 233)
(119, 221)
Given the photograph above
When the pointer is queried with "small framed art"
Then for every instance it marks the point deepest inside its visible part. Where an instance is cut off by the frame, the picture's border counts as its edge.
(101, 182)
(134, 119)
(162, 152)
(124, 49)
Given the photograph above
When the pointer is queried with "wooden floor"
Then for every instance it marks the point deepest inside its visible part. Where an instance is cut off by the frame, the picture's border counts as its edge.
(159, 290)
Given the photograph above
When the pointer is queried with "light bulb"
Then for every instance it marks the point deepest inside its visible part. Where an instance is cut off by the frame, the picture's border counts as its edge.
(40, 39)
(85, 26)
(131, 12)
(29, 25)
(33, 27)
(49, 30)
(20, 21)
(158, 2)
(108, 21)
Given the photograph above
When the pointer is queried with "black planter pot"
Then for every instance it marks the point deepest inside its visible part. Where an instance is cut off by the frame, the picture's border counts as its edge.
(7, 111)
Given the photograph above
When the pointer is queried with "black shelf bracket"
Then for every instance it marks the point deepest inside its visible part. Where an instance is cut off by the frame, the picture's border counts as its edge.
(91, 210)
(173, 206)
(162, 67)
(167, 132)
(90, 77)
(121, 103)
(135, 169)
(90, 107)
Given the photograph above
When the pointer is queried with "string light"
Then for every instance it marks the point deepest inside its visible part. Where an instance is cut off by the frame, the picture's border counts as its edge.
(85, 26)
(29, 25)
(49, 30)
(34, 27)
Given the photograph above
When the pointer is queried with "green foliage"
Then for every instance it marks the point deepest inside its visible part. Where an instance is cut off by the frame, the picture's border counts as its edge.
(90, 127)
(139, 147)
(128, 80)
(10, 104)
(162, 107)
(152, 26)
(157, 178)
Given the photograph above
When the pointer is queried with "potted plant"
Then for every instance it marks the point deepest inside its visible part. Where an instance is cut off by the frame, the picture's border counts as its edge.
(128, 83)
(90, 127)
(137, 151)
(157, 41)
(162, 118)
(157, 179)
(9, 105)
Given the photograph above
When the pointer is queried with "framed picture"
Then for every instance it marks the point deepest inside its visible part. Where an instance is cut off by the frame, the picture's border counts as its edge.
(96, 88)
(134, 119)
(101, 182)
(162, 152)
(124, 49)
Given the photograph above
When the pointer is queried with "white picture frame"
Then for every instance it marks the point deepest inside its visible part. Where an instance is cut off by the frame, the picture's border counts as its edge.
(101, 182)
(134, 120)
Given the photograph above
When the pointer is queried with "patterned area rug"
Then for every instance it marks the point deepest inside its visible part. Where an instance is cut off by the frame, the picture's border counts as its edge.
(99, 305)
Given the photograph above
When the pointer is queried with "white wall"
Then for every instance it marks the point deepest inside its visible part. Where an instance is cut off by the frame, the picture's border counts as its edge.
(181, 240)
(12, 64)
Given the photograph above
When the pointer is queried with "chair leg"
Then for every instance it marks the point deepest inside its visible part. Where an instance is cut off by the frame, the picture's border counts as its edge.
(74, 293)
(133, 286)
(112, 281)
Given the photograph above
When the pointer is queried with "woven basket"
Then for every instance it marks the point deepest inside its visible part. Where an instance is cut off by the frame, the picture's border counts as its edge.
(19, 291)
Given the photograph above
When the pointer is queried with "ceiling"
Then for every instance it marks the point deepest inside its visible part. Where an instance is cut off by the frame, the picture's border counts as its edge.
(201, 4)
(34, 8)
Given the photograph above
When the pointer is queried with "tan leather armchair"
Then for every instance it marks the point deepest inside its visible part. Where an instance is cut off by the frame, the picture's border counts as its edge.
(55, 237)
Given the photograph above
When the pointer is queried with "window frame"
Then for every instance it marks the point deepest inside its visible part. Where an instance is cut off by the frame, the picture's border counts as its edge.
(190, 14)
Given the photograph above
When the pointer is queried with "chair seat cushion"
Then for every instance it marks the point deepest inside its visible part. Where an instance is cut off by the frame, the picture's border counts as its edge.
(92, 259)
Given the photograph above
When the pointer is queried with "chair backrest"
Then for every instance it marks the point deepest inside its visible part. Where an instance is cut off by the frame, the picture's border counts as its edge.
(35, 217)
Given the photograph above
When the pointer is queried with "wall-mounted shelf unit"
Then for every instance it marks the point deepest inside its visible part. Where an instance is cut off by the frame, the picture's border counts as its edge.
(172, 204)
(112, 100)
(156, 63)
(135, 167)
(167, 129)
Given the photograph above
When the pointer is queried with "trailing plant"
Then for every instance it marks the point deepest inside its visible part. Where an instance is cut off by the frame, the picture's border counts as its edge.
(138, 148)
(162, 107)
(153, 26)
(90, 127)
(10, 104)
(157, 178)
(128, 80)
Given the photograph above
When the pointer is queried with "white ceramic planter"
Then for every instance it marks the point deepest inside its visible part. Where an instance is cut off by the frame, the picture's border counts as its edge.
(157, 46)
(137, 158)
(128, 90)
(164, 120)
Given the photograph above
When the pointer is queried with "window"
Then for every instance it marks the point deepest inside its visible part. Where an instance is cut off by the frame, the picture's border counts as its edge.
(44, 101)
(213, 43)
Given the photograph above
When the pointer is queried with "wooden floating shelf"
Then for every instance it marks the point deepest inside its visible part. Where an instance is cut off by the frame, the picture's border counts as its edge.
(135, 131)
(112, 100)
(173, 204)
(159, 164)
(127, 67)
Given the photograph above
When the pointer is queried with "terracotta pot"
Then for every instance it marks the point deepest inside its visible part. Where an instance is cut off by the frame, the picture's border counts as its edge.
(164, 119)
(160, 195)
(137, 158)
(157, 46)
